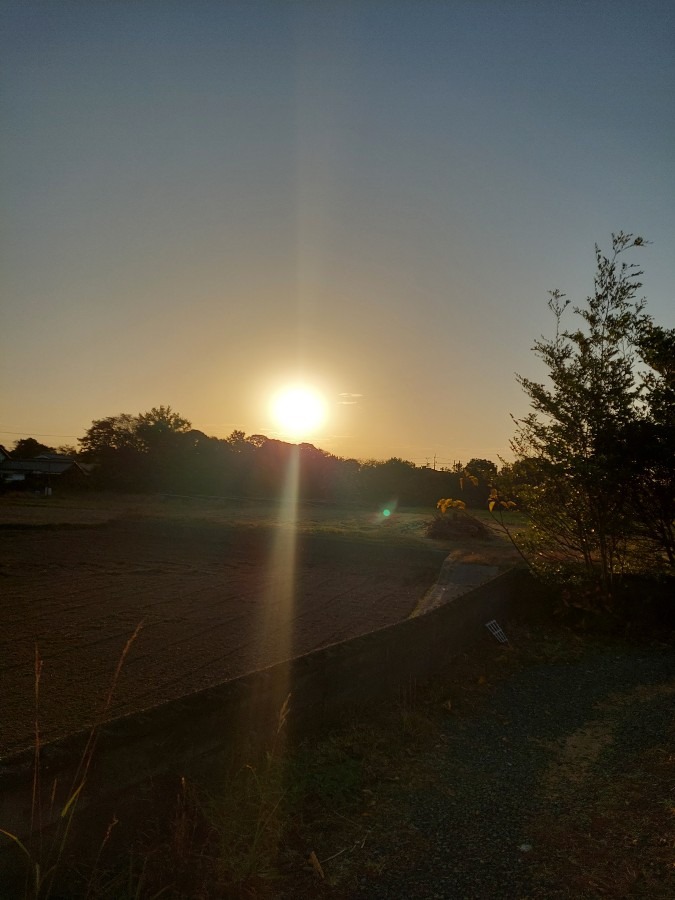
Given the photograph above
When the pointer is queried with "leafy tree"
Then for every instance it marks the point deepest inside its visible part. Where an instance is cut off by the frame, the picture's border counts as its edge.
(239, 442)
(142, 433)
(111, 434)
(526, 471)
(157, 429)
(477, 480)
(113, 445)
(482, 469)
(650, 443)
(138, 452)
(386, 481)
(29, 448)
(580, 419)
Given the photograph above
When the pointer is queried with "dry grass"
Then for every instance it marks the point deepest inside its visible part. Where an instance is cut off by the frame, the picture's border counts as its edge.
(307, 822)
(404, 526)
(43, 859)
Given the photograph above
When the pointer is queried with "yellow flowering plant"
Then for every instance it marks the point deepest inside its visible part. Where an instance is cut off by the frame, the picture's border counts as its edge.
(445, 505)
(452, 520)
(496, 502)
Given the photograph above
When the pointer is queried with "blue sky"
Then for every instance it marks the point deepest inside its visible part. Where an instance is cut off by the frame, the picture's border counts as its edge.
(201, 201)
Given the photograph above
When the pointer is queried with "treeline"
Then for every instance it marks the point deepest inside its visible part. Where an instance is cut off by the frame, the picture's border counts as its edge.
(160, 451)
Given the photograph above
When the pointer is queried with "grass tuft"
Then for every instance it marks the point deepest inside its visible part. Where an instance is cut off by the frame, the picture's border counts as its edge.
(44, 864)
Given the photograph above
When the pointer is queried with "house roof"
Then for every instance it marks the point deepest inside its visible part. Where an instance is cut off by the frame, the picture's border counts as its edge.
(44, 465)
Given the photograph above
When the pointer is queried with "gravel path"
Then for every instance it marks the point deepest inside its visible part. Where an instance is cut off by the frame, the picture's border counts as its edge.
(549, 741)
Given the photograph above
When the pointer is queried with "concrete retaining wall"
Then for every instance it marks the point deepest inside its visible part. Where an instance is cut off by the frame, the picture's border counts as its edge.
(324, 685)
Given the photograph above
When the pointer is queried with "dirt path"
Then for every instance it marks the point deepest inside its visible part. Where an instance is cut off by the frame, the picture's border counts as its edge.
(215, 602)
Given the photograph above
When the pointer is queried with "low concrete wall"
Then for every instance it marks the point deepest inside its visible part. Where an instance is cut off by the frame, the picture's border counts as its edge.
(324, 685)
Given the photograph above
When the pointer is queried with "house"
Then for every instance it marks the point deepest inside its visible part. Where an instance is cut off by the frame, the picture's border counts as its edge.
(40, 473)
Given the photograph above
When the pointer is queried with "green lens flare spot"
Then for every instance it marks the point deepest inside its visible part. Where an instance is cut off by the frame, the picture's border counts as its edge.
(386, 512)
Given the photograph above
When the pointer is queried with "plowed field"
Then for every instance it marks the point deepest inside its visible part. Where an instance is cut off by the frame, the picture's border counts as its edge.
(215, 600)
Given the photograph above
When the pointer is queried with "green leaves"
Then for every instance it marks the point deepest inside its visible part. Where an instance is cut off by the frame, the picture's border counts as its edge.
(594, 397)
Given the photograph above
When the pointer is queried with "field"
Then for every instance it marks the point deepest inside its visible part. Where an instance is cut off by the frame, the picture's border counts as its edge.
(221, 588)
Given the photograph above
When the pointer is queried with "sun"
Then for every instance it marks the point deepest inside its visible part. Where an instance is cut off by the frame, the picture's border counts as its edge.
(299, 411)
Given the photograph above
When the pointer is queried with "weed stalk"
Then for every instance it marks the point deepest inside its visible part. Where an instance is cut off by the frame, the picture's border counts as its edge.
(40, 870)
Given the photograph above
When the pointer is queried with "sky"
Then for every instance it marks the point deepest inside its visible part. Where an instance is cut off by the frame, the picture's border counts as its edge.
(201, 202)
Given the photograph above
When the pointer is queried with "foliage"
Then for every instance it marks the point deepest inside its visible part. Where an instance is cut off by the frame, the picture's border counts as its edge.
(158, 450)
(449, 503)
(112, 434)
(586, 436)
(483, 469)
(499, 503)
(29, 448)
(650, 443)
(452, 519)
(158, 428)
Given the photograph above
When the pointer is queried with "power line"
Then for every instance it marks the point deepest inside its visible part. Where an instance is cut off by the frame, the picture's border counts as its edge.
(38, 433)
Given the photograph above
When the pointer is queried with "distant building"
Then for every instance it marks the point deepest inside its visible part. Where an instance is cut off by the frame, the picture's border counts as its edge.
(40, 473)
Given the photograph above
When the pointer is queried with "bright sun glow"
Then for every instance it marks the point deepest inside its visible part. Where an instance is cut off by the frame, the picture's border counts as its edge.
(299, 411)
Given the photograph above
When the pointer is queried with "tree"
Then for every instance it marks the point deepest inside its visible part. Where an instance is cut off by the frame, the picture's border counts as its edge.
(113, 446)
(383, 482)
(238, 442)
(111, 434)
(483, 469)
(142, 433)
(29, 448)
(577, 431)
(157, 429)
(650, 443)
(149, 450)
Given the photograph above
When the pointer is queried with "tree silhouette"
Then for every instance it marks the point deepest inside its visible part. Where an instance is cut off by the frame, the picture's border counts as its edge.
(483, 469)
(157, 429)
(29, 448)
(586, 419)
(111, 434)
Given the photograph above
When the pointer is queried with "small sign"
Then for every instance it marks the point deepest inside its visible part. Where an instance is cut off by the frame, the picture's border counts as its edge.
(496, 631)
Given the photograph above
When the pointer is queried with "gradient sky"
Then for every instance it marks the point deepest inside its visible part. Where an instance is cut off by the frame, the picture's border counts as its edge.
(203, 200)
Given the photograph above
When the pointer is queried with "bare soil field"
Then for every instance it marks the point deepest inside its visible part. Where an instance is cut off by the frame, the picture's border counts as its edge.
(221, 588)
